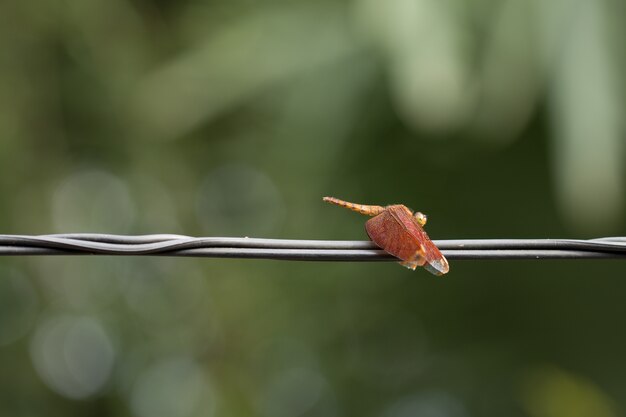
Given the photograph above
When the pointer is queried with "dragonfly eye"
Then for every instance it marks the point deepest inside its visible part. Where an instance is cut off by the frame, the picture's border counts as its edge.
(421, 218)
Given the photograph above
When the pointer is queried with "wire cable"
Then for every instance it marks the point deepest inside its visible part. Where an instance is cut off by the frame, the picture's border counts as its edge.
(311, 250)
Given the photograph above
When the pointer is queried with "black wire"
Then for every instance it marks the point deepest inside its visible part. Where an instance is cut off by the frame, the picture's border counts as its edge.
(313, 250)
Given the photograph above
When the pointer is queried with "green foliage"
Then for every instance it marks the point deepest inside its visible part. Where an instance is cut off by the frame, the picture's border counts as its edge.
(497, 119)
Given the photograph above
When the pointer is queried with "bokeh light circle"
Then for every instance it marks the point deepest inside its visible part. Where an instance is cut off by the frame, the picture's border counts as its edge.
(93, 201)
(74, 356)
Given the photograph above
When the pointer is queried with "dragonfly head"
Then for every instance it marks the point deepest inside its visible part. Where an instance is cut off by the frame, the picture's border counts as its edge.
(421, 218)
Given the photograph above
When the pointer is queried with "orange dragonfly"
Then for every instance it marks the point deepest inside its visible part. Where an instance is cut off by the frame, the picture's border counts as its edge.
(399, 231)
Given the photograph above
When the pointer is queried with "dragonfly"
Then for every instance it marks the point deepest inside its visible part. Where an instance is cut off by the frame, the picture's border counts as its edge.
(399, 231)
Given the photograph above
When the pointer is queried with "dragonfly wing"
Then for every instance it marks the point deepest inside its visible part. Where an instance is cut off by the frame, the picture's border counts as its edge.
(436, 263)
(387, 232)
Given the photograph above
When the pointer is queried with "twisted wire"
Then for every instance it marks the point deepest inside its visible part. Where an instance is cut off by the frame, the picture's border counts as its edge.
(311, 250)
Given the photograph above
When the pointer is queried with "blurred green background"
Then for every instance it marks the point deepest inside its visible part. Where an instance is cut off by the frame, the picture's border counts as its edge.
(499, 119)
